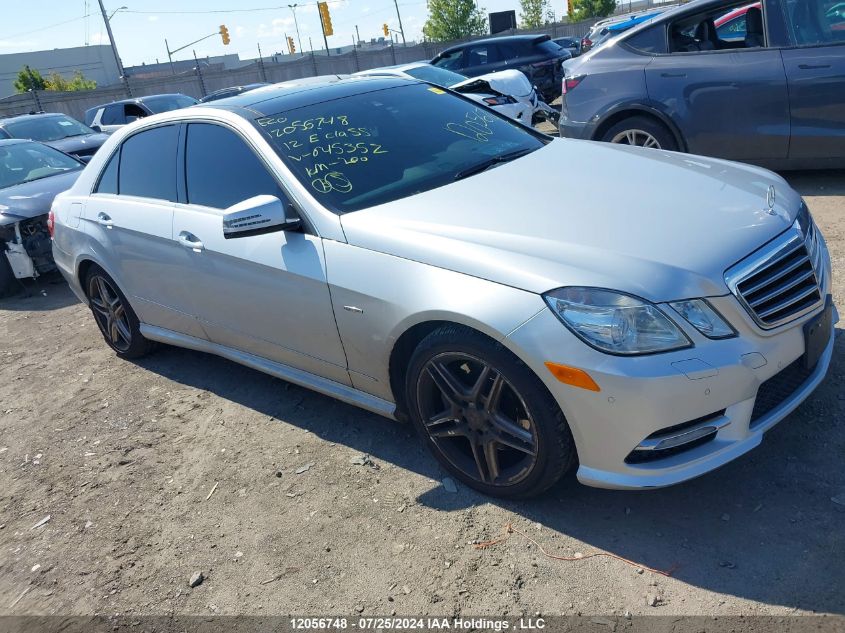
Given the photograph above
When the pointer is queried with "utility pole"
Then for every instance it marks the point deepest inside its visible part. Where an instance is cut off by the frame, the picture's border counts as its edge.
(169, 56)
(292, 7)
(123, 76)
(401, 30)
(261, 64)
(199, 74)
(357, 34)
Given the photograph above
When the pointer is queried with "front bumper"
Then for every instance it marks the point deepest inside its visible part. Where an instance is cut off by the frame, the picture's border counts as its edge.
(715, 381)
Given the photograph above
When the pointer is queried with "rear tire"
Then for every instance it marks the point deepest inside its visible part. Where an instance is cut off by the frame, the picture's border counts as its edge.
(116, 319)
(498, 429)
(642, 132)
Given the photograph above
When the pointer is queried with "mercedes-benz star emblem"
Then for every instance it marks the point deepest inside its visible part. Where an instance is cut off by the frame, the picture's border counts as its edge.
(770, 199)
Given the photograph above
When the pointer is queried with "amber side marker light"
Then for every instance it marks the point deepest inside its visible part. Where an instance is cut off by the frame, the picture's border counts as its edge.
(572, 376)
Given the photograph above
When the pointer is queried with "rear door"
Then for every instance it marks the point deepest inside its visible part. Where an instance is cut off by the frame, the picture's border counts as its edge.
(728, 100)
(266, 295)
(130, 216)
(815, 70)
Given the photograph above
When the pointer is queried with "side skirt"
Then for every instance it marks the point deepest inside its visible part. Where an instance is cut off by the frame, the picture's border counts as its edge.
(325, 386)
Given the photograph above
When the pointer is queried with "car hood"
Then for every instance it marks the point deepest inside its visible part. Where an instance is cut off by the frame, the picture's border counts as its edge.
(74, 144)
(506, 82)
(31, 199)
(657, 224)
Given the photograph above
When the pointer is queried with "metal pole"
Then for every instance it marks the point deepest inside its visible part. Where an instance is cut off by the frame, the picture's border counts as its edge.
(38, 106)
(393, 49)
(355, 51)
(401, 30)
(169, 56)
(298, 38)
(261, 64)
(357, 34)
(114, 50)
(313, 59)
(199, 73)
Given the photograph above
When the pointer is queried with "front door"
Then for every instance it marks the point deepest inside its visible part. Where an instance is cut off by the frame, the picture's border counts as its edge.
(263, 294)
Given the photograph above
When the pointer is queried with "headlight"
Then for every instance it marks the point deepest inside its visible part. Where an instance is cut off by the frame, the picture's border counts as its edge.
(704, 318)
(614, 322)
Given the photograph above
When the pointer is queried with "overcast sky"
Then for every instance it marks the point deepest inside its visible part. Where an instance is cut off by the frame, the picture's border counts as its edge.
(141, 29)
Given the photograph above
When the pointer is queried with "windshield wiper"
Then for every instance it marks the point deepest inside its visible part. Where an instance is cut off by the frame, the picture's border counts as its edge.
(490, 162)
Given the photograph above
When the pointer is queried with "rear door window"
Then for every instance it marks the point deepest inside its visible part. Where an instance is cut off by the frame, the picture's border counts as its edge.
(148, 164)
(222, 170)
(113, 115)
(651, 40)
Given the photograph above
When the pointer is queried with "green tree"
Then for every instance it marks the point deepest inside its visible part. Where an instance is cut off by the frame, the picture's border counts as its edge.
(586, 9)
(78, 82)
(453, 19)
(29, 79)
(534, 13)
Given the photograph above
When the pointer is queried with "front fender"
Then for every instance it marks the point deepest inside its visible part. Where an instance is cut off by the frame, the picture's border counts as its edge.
(377, 297)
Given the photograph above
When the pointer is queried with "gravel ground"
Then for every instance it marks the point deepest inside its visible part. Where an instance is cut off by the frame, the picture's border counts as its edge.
(149, 472)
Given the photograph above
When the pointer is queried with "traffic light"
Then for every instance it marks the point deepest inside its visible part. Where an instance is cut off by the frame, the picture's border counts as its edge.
(386, 30)
(224, 34)
(325, 18)
(291, 45)
(570, 9)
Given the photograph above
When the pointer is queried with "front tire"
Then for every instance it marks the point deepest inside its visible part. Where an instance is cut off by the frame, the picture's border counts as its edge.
(485, 416)
(642, 132)
(116, 319)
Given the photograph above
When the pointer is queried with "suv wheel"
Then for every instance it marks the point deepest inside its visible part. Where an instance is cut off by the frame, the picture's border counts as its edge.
(114, 316)
(485, 415)
(642, 132)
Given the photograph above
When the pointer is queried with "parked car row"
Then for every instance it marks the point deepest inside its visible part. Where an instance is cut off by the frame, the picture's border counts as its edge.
(760, 82)
(41, 155)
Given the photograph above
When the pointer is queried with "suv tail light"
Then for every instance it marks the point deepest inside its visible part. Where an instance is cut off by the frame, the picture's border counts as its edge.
(51, 223)
(570, 83)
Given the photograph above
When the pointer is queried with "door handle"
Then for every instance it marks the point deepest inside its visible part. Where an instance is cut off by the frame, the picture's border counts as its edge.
(105, 220)
(812, 66)
(673, 74)
(189, 240)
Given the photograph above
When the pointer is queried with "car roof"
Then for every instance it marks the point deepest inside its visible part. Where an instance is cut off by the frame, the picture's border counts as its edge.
(536, 37)
(34, 115)
(138, 99)
(289, 95)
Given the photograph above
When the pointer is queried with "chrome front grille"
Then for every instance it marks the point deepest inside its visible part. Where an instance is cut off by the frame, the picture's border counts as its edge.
(784, 280)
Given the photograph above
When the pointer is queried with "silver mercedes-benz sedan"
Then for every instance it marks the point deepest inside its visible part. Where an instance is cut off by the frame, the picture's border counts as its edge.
(404, 249)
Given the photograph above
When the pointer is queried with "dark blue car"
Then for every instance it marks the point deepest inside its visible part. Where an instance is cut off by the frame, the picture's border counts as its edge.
(766, 86)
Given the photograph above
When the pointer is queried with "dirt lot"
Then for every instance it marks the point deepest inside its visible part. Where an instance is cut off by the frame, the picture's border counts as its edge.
(122, 458)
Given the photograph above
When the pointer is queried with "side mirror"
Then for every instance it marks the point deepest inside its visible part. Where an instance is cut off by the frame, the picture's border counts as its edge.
(256, 216)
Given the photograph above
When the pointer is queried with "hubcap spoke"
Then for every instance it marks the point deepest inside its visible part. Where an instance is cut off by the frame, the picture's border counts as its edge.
(508, 433)
(491, 458)
(480, 461)
(448, 385)
(478, 387)
(492, 401)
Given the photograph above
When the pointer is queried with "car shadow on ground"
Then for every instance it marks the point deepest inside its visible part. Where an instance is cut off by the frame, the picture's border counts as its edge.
(48, 292)
(764, 527)
(828, 182)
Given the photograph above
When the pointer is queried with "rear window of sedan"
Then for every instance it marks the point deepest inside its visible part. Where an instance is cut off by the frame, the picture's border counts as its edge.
(386, 144)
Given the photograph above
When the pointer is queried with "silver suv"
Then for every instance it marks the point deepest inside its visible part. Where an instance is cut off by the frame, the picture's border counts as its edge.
(649, 335)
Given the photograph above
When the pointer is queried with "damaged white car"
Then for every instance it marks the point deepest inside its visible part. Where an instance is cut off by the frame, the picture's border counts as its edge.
(507, 91)
(31, 175)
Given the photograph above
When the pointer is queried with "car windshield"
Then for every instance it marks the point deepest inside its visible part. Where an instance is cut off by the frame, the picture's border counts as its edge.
(25, 162)
(435, 75)
(390, 143)
(47, 128)
(166, 103)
